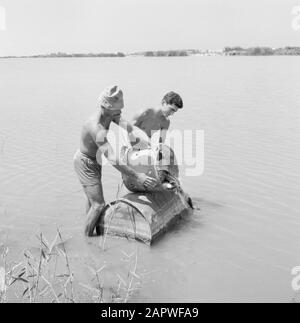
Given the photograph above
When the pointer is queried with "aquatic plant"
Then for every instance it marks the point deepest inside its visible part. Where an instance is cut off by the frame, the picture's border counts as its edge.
(45, 275)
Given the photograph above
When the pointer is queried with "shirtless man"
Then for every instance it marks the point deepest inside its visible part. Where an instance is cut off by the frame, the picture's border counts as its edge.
(94, 143)
(153, 120)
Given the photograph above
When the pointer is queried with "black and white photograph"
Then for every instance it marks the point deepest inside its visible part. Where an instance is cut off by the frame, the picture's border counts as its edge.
(149, 154)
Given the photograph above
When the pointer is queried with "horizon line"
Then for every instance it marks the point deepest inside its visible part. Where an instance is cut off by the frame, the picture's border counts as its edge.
(141, 52)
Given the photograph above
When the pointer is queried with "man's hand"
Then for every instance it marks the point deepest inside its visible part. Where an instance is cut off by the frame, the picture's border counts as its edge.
(146, 181)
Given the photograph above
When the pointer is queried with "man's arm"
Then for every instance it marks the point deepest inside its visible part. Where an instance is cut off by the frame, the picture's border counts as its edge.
(106, 149)
(163, 132)
(128, 127)
(133, 135)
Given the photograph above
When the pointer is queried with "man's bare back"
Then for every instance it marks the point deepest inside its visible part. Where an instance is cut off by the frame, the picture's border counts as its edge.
(93, 133)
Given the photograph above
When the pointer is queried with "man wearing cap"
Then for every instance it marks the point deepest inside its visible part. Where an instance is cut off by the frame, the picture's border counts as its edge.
(94, 143)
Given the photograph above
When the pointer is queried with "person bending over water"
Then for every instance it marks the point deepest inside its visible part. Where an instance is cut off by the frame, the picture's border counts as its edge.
(153, 120)
(94, 143)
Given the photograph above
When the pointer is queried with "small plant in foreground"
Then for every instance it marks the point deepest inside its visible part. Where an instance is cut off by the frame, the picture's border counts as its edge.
(45, 275)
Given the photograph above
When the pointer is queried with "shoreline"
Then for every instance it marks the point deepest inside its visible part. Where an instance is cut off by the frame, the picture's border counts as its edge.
(227, 51)
(140, 56)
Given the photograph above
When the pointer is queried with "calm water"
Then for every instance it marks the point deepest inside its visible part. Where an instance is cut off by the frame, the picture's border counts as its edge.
(243, 243)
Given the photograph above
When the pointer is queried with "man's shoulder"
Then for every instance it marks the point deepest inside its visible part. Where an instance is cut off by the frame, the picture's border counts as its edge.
(92, 126)
(148, 111)
(89, 124)
(144, 114)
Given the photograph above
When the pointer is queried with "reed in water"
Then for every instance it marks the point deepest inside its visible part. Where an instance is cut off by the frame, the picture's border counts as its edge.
(46, 276)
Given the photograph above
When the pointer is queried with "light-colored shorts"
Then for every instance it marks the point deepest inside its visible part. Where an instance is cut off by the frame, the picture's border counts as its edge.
(87, 169)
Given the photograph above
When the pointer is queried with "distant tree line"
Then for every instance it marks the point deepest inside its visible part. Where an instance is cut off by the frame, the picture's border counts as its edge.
(62, 54)
(167, 53)
(237, 50)
(262, 51)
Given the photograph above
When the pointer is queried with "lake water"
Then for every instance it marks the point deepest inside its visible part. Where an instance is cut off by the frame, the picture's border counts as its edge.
(241, 245)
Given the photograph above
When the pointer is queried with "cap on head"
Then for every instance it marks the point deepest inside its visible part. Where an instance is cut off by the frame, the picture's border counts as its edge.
(111, 98)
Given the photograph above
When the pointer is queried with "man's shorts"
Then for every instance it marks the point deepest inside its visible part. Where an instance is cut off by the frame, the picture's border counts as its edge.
(87, 169)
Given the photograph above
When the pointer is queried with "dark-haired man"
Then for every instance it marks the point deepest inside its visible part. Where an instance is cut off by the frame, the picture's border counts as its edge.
(153, 120)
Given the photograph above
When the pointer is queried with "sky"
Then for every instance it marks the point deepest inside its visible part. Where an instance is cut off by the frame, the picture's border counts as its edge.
(82, 26)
